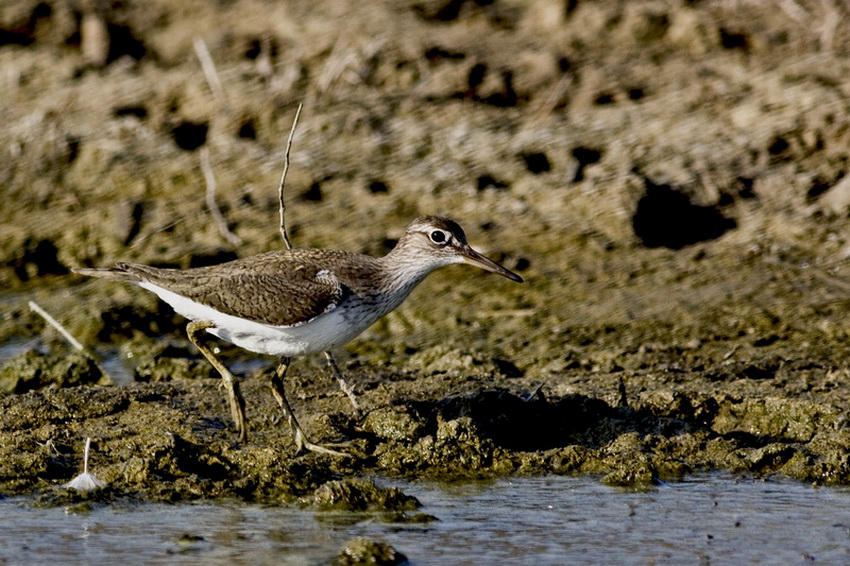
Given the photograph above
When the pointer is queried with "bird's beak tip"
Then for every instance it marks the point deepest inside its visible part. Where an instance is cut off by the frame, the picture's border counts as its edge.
(483, 262)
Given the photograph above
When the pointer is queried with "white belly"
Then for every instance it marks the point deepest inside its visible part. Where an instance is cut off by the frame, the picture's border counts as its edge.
(324, 332)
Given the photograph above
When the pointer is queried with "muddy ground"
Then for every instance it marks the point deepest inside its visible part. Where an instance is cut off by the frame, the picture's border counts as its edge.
(668, 176)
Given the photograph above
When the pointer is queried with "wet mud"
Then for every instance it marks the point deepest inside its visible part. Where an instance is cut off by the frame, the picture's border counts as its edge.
(668, 177)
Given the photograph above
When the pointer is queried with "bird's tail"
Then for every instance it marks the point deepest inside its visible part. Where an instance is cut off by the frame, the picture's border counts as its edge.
(117, 273)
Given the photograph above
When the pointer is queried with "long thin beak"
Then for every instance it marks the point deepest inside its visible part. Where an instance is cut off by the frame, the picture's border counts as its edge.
(472, 257)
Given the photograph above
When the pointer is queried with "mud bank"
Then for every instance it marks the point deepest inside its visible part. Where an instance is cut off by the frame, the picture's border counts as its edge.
(668, 177)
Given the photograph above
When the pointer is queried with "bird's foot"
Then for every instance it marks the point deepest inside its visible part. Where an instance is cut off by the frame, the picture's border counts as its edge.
(323, 450)
(302, 444)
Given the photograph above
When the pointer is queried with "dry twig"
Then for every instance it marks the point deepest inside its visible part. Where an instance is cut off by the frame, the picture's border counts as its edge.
(283, 179)
(66, 335)
(210, 72)
(209, 179)
(343, 385)
(53, 322)
(829, 25)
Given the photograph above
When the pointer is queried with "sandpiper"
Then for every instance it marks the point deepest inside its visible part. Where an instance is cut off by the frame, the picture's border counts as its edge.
(293, 302)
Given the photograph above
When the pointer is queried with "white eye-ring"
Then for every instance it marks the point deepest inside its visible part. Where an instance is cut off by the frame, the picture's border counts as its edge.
(440, 237)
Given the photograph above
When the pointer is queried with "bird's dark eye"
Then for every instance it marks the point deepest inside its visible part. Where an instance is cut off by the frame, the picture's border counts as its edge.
(439, 237)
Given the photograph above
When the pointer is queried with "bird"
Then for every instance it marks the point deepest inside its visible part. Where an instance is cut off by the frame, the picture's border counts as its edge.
(293, 302)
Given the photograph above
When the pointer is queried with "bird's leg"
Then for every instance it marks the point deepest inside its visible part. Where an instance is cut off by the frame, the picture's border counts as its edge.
(346, 388)
(234, 395)
(301, 442)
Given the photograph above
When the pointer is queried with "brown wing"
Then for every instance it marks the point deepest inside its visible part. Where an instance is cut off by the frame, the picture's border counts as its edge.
(280, 288)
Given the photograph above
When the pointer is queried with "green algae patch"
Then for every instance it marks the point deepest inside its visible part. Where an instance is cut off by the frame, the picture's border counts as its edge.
(402, 424)
(78, 502)
(789, 420)
(443, 358)
(635, 475)
(33, 370)
(163, 361)
(355, 494)
(363, 551)
(172, 441)
(457, 449)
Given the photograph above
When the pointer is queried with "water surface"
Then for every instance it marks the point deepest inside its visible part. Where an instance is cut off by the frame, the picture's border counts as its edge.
(711, 519)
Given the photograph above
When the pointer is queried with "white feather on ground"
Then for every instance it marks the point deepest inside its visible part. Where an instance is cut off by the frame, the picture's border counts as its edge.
(86, 481)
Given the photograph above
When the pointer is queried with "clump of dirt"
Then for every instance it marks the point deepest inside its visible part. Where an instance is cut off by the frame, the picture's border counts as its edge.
(365, 551)
(670, 178)
(34, 370)
(164, 362)
(361, 495)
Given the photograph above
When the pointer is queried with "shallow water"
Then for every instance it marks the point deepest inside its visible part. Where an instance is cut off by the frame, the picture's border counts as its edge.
(552, 520)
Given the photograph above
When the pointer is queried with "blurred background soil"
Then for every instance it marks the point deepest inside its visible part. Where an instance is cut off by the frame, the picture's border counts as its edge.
(669, 176)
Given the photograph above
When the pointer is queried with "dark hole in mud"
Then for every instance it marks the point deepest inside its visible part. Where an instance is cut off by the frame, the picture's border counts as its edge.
(445, 11)
(503, 97)
(778, 145)
(745, 188)
(758, 370)
(747, 439)
(247, 130)
(314, 193)
(734, 40)
(21, 36)
(667, 218)
(507, 97)
(139, 112)
(585, 156)
(128, 216)
(766, 340)
(122, 43)
(476, 75)
(536, 162)
(58, 467)
(604, 98)
(190, 136)
(656, 26)
(378, 187)
(39, 258)
(507, 368)
(489, 182)
(25, 34)
(73, 148)
(531, 423)
(636, 93)
(818, 188)
(256, 46)
(437, 54)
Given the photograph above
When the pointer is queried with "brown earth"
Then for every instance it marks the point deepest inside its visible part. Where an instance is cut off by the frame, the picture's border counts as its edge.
(668, 176)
